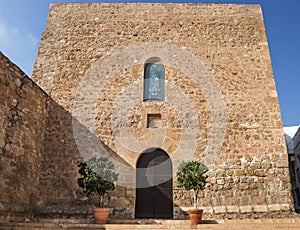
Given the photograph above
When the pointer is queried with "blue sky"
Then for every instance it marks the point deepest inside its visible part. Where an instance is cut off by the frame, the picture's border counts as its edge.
(23, 21)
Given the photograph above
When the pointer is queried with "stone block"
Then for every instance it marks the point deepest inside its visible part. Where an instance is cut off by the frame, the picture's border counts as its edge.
(246, 209)
(232, 209)
(260, 208)
(208, 210)
(219, 209)
(274, 207)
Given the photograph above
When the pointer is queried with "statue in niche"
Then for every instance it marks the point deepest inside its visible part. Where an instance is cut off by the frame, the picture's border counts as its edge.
(154, 87)
(154, 82)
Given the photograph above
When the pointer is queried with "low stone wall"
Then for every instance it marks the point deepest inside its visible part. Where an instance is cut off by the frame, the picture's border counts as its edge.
(244, 188)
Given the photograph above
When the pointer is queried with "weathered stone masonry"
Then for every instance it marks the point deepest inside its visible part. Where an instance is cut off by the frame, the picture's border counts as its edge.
(35, 163)
(248, 177)
(23, 119)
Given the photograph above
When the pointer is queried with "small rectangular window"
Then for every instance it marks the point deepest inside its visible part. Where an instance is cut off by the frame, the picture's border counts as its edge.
(154, 121)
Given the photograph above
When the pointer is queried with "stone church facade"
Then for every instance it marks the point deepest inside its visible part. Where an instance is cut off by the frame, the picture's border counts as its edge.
(129, 81)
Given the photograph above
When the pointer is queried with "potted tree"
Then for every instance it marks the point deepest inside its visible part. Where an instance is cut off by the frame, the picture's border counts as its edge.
(191, 176)
(97, 178)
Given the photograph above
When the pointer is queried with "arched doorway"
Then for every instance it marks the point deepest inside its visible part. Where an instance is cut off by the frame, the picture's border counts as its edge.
(154, 191)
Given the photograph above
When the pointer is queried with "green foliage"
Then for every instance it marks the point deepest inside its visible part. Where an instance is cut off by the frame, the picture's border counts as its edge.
(191, 176)
(98, 177)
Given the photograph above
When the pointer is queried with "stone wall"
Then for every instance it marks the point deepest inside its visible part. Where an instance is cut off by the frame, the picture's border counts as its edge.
(221, 103)
(255, 187)
(38, 162)
(22, 123)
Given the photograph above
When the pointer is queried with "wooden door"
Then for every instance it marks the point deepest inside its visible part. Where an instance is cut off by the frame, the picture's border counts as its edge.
(154, 195)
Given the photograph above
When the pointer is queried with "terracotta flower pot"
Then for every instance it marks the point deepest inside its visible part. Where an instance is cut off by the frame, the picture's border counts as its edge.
(195, 216)
(101, 215)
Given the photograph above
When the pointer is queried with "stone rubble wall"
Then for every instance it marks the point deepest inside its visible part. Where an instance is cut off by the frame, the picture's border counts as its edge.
(39, 156)
(229, 41)
(22, 126)
(248, 187)
(37, 167)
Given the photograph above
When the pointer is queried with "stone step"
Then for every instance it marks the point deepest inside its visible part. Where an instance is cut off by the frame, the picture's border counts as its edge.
(58, 224)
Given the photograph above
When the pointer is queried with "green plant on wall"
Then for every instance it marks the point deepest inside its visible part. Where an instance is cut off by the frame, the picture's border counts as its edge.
(191, 176)
(98, 177)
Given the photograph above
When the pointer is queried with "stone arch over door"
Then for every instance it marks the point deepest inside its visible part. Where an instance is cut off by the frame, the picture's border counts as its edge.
(154, 185)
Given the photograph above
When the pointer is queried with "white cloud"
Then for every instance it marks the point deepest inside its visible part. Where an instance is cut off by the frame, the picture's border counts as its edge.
(13, 36)
(3, 31)
(18, 43)
(8, 33)
(33, 40)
